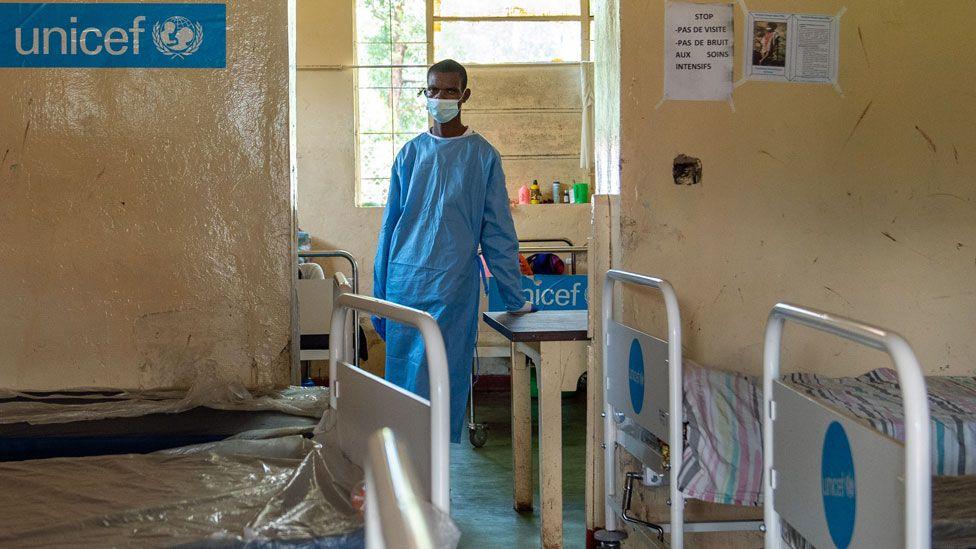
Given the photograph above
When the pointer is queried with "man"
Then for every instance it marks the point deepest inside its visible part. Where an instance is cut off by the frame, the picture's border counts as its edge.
(447, 196)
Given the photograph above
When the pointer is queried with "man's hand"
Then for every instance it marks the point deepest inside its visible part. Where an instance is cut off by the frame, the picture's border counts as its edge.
(379, 324)
(529, 307)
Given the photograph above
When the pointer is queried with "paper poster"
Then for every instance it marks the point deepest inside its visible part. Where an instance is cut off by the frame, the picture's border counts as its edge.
(698, 53)
(792, 47)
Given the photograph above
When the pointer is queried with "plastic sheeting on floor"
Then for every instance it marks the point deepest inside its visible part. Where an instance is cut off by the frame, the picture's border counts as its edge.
(289, 491)
(93, 404)
(282, 492)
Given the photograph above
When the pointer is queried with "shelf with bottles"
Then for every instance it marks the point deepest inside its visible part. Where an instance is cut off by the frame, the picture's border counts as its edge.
(568, 195)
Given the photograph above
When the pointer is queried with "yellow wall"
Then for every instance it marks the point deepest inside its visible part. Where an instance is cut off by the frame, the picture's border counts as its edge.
(531, 115)
(146, 219)
(861, 203)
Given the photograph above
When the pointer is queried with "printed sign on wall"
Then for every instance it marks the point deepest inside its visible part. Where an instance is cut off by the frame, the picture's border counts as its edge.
(546, 292)
(698, 52)
(113, 35)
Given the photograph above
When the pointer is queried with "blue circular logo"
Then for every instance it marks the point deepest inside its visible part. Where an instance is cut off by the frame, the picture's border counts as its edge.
(838, 486)
(636, 376)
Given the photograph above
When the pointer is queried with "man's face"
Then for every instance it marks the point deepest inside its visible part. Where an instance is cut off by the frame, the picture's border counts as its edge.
(446, 85)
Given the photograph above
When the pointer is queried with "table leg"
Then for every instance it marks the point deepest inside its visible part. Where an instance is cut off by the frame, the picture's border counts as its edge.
(549, 374)
(521, 432)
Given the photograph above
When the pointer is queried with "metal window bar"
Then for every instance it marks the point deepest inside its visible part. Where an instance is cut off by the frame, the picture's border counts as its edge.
(354, 265)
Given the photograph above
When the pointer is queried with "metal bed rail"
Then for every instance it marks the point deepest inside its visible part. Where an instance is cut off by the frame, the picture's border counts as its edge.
(354, 265)
(395, 514)
(675, 397)
(917, 473)
(569, 247)
(440, 409)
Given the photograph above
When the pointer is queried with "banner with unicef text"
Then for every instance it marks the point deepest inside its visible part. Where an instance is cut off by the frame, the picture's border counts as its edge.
(546, 292)
(113, 35)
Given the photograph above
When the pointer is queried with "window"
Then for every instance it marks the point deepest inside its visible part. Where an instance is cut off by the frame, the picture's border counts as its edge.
(397, 39)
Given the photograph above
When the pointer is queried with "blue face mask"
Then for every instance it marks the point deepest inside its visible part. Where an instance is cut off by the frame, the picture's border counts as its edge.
(443, 110)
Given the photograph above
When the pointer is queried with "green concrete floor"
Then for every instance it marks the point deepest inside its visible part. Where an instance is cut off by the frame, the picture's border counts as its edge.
(481, 478)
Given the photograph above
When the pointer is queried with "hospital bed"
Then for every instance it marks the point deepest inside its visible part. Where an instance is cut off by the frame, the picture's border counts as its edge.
(653, 396)
(843, 476)
(491, 346)
(315, 298)
(644, 413)
(232, 493)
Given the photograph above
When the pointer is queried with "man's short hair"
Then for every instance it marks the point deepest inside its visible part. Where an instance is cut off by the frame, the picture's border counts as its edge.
(450, 66)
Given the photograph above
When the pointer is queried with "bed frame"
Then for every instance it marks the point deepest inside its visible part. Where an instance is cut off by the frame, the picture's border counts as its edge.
(421, 425)
(644, 403)
(396, 508)
(832, 478)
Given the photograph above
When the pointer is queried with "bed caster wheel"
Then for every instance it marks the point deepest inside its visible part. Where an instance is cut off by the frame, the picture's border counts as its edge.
(609, 539)
(478, 435)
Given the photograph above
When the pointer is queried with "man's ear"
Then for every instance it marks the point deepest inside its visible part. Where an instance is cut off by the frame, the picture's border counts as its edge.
(465, 96)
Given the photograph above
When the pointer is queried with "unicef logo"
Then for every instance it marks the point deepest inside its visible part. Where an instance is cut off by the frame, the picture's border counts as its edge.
(636, 376)
(838, 486)
(177, 37)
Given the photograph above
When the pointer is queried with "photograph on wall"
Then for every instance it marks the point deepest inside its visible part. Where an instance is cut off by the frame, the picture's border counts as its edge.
(769, 43)
(789, 47)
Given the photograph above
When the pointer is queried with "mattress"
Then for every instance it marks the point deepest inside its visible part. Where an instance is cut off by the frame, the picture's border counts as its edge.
(101, 422)
(722, 459)
(142, 434)
(875, 398)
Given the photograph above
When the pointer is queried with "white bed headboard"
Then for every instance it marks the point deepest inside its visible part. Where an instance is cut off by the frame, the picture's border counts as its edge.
(365, 403)
(637, 368)
(804, 440)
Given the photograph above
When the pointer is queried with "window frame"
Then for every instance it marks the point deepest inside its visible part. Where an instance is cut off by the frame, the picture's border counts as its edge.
(585, 19)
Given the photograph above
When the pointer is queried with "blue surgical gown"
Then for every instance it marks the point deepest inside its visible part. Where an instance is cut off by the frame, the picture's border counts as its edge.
(447, 196)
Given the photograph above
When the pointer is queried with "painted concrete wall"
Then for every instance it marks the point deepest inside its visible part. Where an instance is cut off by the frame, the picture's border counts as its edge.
(146, 219)
(531, 115)
(861, 203)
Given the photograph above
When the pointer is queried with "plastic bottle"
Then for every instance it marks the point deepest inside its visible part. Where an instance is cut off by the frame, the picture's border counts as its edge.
(557, 195)
(535, 195)
(523, 195)
(566, 197)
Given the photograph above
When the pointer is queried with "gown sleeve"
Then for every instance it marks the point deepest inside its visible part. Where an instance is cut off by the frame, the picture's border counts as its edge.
(391, 216)
(499, 243)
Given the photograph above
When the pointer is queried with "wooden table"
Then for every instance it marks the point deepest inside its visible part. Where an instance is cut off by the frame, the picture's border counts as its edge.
(550, 330)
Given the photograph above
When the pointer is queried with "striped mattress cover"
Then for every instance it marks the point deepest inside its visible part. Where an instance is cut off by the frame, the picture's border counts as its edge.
(722, 460)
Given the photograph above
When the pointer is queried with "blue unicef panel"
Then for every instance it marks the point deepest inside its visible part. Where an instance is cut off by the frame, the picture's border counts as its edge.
(546, 292)
(113, 35)
(635, 376)
(838, 485)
